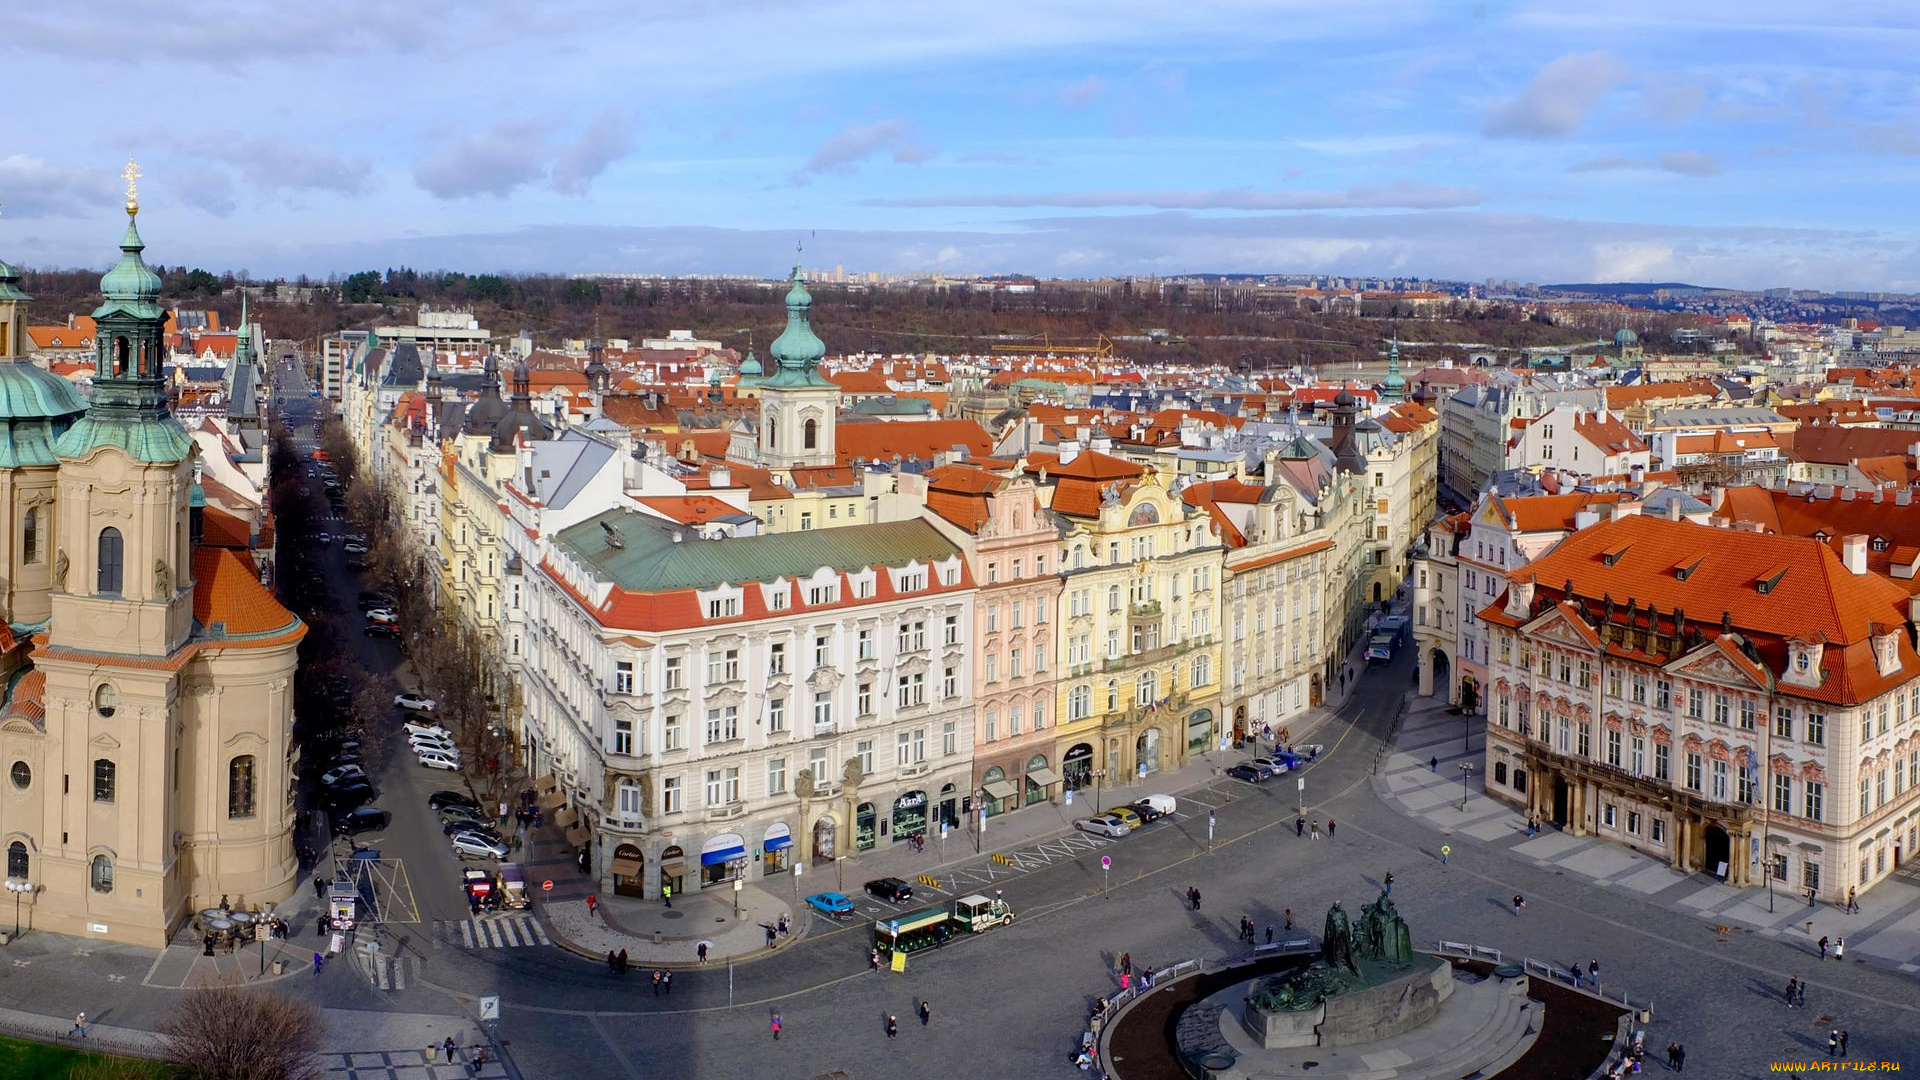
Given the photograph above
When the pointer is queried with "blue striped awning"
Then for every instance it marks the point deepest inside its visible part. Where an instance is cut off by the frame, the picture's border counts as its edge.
(778, 843)
(726, 854)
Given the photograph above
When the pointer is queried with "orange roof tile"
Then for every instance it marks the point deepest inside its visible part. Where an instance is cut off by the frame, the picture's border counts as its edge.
(227, 591)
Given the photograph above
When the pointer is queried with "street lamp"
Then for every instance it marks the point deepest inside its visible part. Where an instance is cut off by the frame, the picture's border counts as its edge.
(738, 884)
(1466, 775)
(20, 888)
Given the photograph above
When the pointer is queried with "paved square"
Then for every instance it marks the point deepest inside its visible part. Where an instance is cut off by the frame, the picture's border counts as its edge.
(1650, 880)
(1603, 862)
(1548, 845)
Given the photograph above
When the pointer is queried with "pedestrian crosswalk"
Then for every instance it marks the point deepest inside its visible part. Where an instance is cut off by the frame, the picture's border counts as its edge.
(492, 932)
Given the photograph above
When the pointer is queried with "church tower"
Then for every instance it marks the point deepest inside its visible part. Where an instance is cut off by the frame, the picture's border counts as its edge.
(798, 406)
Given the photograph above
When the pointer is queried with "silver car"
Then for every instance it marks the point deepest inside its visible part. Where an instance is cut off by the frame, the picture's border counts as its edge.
(1100, 826)
(472, 845)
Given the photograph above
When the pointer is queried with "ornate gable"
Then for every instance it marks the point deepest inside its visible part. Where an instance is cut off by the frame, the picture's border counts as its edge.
(1560, 625)
(1716, 661)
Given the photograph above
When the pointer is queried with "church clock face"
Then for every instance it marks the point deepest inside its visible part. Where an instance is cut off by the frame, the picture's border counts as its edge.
(21, 774)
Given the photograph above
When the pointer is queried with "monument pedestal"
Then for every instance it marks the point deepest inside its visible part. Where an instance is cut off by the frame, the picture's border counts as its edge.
(1394, 1005)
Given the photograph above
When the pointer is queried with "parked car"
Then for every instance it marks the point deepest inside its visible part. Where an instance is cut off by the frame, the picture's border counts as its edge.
(440, 800)
(323, 539)
(347, 796)
(435, 731)
(1275, 765)
(411, 701)
(355, 562)
(1146, 811)
(1103, 826)
(355, 547)
(472, 845)
(1252, 774)
(371, 600)
(831, 904)
(432, 742)
(1165, 804)
(890, 889)
(468, 814)
(467, 825)
(1125, 816)
(381, 614)
(438, 759)
(382, 630)
(341, 774)
(364, 820)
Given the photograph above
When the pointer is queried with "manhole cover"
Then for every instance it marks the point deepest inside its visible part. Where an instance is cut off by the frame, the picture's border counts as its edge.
(673, 914)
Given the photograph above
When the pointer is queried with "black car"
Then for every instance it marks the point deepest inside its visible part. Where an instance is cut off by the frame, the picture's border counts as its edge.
(1146, 811)
(890, 889)
(380, 630)
(348, 796)
(371, 600)
(364, 820)
(355, 562)
(440, 800)
(454, 826)
(1252, 774)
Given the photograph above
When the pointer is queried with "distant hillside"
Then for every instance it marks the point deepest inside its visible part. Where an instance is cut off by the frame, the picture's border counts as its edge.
(1625, 288)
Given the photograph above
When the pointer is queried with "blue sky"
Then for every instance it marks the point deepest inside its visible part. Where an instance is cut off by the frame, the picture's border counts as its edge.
(1746, 144)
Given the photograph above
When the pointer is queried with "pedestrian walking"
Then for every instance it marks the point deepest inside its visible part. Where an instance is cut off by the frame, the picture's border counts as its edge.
(1287, 915)
(319, 961)
(1680, 1058)
(1843, 1042)
(1126, 981)
(623, 962)
(1300, 826)
(450, 1048)
(656, 982)
(1518, 903)
(775, 1024)
(926, 1011)
(1196, 899)
(319, 888)
(1853, 904)
(1146, 978)
(593, 904)
(873, 959)
(1126, 962)
(613, 963)
(1330, 824)
(1389, 882)
(1433, 764)
(1269, 933)
(79, 1026)
(666, 982)
(1840, 948)
(1578, 975)
(1673, 1055)
(1824, 943)
(1803, 994)
(1593, 972)
(1445, 851)
(701, 949)
(772, 933)
(1833, 1043)
(893, 1026)
(1316, 828)
(1793, 990)
(666, 894)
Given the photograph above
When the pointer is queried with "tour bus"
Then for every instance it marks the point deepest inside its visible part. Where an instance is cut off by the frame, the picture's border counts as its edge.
(930, 928)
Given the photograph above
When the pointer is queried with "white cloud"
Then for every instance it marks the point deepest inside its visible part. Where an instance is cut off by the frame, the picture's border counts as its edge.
(1679, 162)
(1558, 99)
(857, 142)
(32, 187)
(511, 154)
(1400, 195)
(274, 163)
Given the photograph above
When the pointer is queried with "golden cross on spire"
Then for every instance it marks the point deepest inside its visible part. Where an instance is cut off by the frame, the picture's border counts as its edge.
(132, 175)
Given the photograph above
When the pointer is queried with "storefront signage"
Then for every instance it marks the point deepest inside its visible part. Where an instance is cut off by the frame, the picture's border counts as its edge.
(912, 800)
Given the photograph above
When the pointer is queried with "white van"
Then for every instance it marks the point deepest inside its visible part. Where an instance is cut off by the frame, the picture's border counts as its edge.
(1163, 804)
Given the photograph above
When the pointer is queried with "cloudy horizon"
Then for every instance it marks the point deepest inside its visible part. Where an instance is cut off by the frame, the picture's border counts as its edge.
(1750, 145)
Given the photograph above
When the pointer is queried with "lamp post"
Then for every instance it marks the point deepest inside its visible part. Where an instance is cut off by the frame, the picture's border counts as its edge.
(20, 888)
(738, 884)
(1466, 777)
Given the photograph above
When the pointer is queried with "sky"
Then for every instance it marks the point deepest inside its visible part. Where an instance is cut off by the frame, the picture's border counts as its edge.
(1742, 144)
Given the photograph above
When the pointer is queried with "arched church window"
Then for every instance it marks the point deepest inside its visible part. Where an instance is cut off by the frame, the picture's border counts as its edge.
(103, 780)
(30, 535)
(812, 434)
(120, 352)
(105, 698)
(17, 864)
(240, 787)
(102, 875)
(109, 573)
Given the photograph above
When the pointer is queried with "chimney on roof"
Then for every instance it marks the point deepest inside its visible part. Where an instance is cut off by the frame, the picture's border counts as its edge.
(1903, 496)
(1082, 435)
(1101, 444)
(1853, 552)
(720, 477)
(1847, 493)
(1673, 509)
(1069, 450)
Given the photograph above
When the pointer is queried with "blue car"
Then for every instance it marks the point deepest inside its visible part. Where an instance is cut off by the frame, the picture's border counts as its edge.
(831, 904)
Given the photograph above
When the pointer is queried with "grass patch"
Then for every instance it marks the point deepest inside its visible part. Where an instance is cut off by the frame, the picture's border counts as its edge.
(44, 1061)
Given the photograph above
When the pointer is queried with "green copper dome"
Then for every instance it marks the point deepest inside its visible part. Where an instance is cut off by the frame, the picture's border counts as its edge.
(131, 286)
(751, 365)
(10, 284)
(798, 350)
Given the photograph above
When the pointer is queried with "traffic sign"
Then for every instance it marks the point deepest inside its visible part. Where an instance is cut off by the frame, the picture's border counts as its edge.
(490, 1006)
(1106, 862)
(547, 885)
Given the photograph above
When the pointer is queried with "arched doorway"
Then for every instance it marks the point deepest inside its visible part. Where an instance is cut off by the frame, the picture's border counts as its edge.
(863, 827)
(824, 831)
(909, 815)
(949, 806)
(1077, 766)
(1441, 676)
(1469, 694)
(723, 858)
(1240, 723)
(1562, 797)
(1038, 777)
(1146, 750)
(1719, 852)
(1376, 592)
(995, 789)
(673, 868)
(775, 849)
(629, 871)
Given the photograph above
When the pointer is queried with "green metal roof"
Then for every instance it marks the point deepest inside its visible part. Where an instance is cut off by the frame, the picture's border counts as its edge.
(10, 283)
(650, 560)
(798, 349)
(142, 438)
(30, 391)
(131, 286)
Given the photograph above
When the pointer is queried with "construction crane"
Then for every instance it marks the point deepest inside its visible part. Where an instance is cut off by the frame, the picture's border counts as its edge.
(1100, 349)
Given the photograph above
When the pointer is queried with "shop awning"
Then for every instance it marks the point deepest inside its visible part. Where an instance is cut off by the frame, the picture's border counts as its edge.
(578, 836)
(1000, 789)
(673, 868)
(552, 799)
(567, 817)
(626, 867)
(1043, 776)
(545, 784)
(721, 855)
(778, 843)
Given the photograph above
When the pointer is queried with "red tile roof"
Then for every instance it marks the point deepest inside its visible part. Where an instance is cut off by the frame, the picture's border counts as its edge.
(227, 590)
(878, 440)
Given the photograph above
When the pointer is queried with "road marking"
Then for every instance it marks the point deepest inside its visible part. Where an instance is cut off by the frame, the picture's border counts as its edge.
(493, 932)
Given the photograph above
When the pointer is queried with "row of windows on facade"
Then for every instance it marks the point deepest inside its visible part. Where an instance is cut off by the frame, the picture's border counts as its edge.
(240, 782)
(20, 868)
(1140, 549)
(723, 665)
(727, 605)
(722, 785)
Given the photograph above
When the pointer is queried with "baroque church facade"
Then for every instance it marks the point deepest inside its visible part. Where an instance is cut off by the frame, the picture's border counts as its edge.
(146, 681)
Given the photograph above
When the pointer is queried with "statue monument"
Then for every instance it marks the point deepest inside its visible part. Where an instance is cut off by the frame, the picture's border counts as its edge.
(1366, 984)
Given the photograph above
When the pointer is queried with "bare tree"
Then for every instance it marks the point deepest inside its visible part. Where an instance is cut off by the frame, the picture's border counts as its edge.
(229, 1033)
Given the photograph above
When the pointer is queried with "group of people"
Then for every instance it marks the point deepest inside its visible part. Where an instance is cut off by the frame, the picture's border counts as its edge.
(1300, 827)
(1837, 946)
(776, 931)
